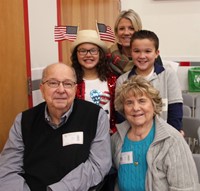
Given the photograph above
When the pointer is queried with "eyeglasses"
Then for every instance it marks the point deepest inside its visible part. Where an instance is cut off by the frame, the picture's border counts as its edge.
(68, 84)
(93, 51)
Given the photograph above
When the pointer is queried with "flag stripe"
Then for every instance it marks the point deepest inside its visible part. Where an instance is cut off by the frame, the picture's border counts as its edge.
(65, 33)
(105, 32)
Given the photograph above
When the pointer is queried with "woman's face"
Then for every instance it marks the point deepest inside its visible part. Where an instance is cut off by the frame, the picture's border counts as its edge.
(144, 53)
(139, 110)
(88, 55)
(124, 32)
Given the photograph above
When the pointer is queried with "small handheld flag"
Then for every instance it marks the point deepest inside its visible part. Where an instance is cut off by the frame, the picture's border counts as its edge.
(65, 33)
(105, 32)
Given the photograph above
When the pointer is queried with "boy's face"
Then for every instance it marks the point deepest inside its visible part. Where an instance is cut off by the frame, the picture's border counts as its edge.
(143, 54)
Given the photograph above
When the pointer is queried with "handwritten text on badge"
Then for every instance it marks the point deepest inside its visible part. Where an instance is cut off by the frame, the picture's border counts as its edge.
(126, 157)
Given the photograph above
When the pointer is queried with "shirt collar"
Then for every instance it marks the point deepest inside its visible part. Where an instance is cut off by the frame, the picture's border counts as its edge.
(157, 69)
(63, 120)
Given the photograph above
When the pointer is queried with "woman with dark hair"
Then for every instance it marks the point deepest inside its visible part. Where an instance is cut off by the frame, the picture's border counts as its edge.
(96, 83)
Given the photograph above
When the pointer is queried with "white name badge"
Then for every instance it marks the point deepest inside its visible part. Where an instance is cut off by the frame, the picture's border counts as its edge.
(72, 138)
(165, 104)
(126, 157)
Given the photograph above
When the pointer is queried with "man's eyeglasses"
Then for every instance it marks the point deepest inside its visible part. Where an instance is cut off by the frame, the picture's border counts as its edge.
(83, 52)
(67, 84)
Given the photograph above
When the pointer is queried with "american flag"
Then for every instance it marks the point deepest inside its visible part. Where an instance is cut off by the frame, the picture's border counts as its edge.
(106, 32)
(65, 33)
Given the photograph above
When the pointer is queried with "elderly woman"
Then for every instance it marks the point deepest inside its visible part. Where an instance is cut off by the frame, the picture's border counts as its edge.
(148, 153)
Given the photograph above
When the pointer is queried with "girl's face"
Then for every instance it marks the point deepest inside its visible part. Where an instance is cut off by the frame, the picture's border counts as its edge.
(124, 32)
(88, 55)
(144, 53)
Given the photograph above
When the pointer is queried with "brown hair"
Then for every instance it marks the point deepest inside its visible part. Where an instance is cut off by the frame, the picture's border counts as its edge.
(137, 86)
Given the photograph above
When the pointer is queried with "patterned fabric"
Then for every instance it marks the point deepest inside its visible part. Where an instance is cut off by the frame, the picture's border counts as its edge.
(118, 61)
(111, 86)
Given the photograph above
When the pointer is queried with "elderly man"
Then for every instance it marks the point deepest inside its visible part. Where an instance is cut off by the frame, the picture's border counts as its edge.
(60, 144)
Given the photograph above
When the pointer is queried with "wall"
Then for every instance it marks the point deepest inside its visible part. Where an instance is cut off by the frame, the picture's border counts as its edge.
(176, 22)
(42, 19)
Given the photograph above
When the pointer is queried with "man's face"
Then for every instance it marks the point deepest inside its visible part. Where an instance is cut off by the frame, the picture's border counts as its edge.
(59, 96)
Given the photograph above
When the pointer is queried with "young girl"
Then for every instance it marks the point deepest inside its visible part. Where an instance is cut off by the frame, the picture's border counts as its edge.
(95, 81)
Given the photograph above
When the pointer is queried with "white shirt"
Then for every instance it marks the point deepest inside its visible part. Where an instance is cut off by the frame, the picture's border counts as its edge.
(97, 92)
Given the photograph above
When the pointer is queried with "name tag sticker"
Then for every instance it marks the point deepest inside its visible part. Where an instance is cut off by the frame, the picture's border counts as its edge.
(72, 138)
(126, 157)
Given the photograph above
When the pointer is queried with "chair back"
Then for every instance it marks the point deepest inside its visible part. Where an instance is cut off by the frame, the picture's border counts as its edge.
(197, 107)
(191, 126)
(187, 112)
(189, 100)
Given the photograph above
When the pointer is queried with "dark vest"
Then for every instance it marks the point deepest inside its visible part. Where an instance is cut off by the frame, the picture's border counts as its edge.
(46, 161)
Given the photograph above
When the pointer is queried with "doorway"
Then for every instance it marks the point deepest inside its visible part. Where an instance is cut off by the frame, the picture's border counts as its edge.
(14, 96)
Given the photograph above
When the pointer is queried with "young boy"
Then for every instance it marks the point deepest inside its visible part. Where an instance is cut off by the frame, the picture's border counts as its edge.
(144, 51)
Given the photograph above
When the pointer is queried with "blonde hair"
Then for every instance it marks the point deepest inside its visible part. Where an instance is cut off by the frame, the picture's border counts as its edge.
(137, 86)
(130, 15)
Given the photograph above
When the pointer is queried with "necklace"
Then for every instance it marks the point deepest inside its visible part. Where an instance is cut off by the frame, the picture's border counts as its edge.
(132, 152)
(136, 163)
(135, 159)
